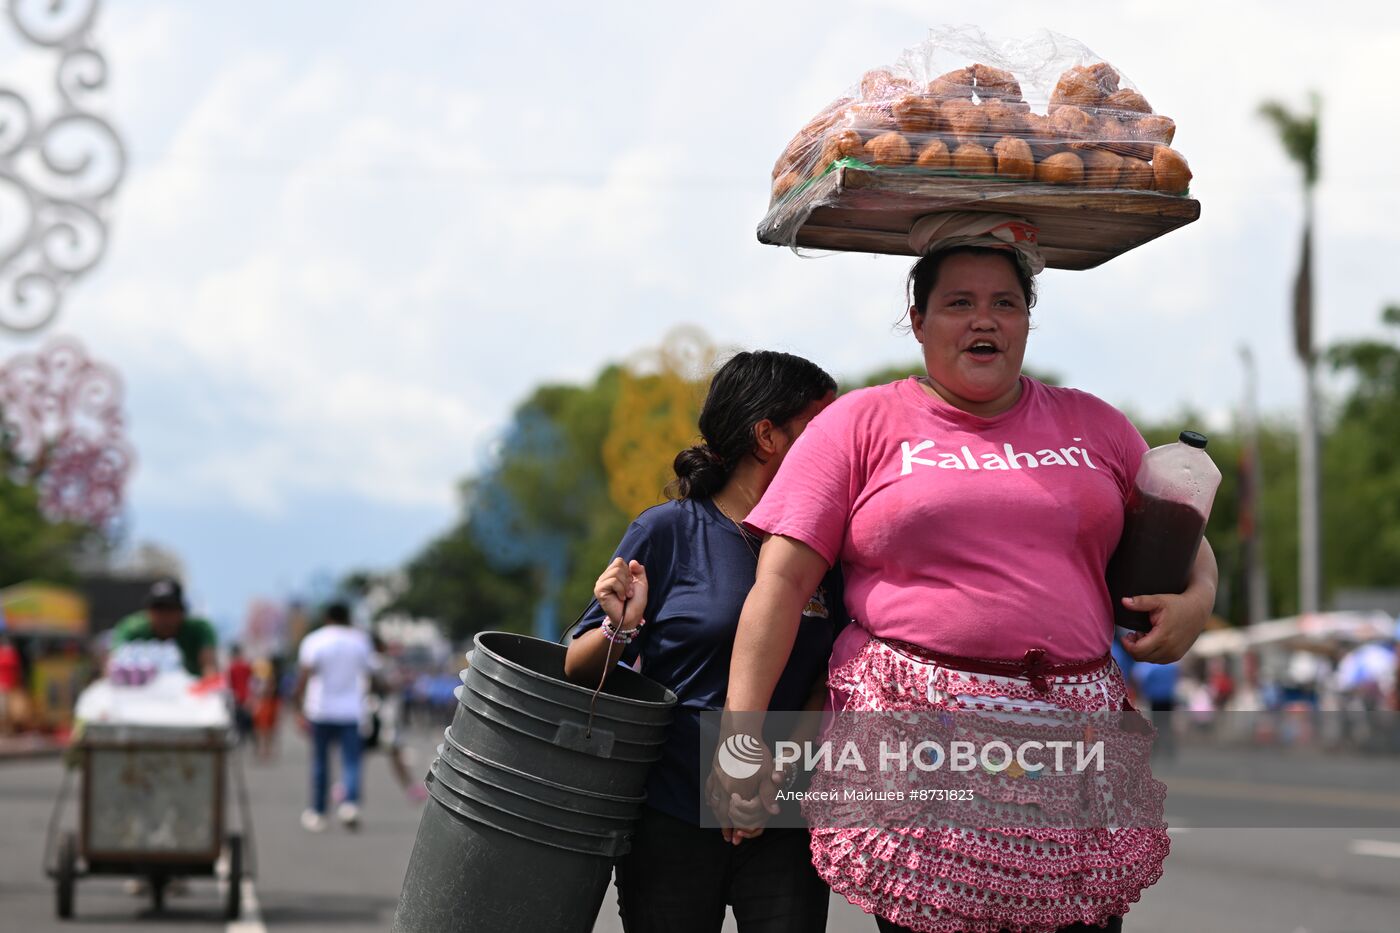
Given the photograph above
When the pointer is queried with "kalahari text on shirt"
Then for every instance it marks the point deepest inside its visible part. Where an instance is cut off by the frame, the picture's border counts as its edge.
(1008, 459)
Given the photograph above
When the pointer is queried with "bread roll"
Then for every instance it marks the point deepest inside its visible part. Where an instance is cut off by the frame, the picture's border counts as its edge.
(1121, 136)
(1136, 174)
(839, 145)
(869, 116)
(1084, 86)
(1101, 168)
(934, 155)
(1062, 168)
(1014, 159)
(1170, 173)
(1073, 127)
(1126, 101)
(1040, 132)
(805, 146)
(785, 183)
(880, 84)
(1156, 128)
(1004, 118)
(964, 119)
(955, 85)
(972, 159)
(889, 149)
(917, 113)
(995, 84)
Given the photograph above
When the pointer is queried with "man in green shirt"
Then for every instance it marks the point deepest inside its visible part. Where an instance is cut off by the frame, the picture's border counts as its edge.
(164, 619)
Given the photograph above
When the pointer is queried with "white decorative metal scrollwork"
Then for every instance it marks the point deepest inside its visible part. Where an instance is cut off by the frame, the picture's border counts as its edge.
(57, 172)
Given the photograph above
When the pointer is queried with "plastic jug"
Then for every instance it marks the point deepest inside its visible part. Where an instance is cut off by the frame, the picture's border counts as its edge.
(1163, 525)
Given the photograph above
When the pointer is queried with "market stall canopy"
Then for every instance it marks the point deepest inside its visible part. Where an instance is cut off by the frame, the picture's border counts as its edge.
(1370, 665)
(41, 608)
(1317, 628)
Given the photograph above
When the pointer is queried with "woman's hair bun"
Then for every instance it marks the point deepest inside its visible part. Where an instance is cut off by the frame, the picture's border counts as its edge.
(700, 473)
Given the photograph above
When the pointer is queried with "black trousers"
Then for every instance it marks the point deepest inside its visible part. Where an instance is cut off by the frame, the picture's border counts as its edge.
(679, 877)
(1115, 925)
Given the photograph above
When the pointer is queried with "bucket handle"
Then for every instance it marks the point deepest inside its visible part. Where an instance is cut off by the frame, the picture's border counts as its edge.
(574, 624)
(608, 663)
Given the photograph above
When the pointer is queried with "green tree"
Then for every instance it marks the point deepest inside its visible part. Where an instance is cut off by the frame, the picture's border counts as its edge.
(32, 547)
(1276, 503)
(537, 523)
(563, 498)
(452, 582)
(1362, 465)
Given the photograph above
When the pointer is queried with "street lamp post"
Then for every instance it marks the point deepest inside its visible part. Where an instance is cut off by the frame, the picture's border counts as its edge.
(1251, 479)
(1298, 133)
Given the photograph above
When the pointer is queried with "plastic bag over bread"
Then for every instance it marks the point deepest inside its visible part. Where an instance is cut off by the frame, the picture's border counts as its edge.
(1043, 112)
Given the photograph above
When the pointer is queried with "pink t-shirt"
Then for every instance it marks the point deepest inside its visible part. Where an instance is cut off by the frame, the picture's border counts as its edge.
(978, 537)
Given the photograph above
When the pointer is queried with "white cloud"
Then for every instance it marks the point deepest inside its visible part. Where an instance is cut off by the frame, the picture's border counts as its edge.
(298, 329)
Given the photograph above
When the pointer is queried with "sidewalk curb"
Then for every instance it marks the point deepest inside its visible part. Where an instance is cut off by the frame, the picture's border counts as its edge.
(28, 751)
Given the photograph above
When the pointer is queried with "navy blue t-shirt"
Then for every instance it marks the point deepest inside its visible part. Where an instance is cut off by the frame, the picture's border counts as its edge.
(699, 572)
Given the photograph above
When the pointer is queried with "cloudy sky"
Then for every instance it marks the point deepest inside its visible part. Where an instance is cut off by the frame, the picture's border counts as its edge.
(354, 235)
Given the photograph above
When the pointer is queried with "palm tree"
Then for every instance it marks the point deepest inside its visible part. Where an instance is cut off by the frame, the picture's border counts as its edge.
(1298, 134)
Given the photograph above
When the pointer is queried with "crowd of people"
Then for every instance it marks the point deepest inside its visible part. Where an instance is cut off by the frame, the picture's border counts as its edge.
(1325, 695)
(344, 690)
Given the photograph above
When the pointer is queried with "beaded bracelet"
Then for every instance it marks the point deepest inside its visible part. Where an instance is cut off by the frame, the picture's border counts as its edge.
(614, 635)
(620, 636)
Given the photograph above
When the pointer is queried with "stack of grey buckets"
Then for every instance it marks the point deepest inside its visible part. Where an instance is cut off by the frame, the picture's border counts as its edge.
(532, 798)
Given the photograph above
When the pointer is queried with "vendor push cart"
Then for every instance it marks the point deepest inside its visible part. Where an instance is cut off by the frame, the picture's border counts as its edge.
(152, 807)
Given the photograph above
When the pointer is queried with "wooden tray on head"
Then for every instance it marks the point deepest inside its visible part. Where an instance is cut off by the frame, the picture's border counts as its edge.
(861, 211)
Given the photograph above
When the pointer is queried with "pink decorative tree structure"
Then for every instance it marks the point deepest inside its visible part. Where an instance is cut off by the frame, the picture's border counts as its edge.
(65, 432)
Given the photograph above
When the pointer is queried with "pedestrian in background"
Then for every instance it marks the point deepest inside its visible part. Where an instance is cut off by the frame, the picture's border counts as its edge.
(240, 679)
(382, 728)
(267, 707)
(391, 729)
(166, 618)
(1157, 685)
(11, 684)
(336, 664)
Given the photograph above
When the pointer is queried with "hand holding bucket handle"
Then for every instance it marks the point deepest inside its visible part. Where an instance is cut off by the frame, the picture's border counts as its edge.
(622, 594)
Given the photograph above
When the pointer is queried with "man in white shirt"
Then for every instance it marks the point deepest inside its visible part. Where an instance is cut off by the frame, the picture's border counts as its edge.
(336, 663)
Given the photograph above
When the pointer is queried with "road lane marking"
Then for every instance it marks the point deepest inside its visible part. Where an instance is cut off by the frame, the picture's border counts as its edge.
(1375, 847)
(1281, 793)
(251, 919)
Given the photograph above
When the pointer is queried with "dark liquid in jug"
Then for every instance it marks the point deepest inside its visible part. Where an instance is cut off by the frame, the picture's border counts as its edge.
(1154, 555)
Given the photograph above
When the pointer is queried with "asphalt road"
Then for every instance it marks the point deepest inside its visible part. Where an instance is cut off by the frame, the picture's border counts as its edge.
(334, 881)
(1219, 877)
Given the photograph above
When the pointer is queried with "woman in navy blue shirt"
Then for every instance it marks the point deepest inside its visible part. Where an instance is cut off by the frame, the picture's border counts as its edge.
(671, 598)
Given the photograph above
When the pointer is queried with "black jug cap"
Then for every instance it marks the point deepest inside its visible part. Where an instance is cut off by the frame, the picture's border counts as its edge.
(1193, 439)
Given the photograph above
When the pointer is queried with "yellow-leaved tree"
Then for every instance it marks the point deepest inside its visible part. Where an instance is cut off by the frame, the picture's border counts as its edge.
(658, 401)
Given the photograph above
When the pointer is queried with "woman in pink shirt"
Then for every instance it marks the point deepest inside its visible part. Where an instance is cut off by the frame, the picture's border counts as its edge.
(973, 511)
